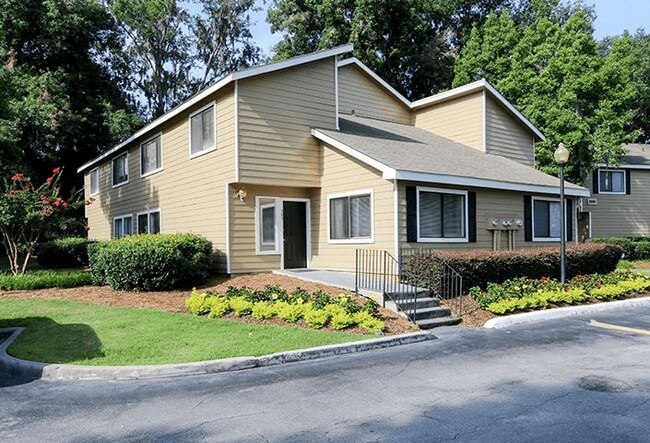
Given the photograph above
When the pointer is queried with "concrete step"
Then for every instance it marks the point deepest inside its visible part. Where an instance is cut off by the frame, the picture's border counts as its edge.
(422, 302)
(431, 312)
(436, 322)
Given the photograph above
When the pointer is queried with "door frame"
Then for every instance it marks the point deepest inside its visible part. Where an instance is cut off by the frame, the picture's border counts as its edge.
(307, 202)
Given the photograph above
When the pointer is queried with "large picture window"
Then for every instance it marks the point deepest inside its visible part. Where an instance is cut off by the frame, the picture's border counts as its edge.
(202, 131)
(151, 156)
(149, 222)
(442, 215)
(546, 220)
(267, 216)
(611, 181)
(350, 217)
(120, 169)
(122, 226)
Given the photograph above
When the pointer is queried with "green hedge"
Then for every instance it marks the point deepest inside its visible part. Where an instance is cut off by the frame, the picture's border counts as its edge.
(634, 248)
(482, 266)
(69, 252)
(151, 262)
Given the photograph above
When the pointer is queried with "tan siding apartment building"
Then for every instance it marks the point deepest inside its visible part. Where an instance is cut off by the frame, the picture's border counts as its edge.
(298, 164)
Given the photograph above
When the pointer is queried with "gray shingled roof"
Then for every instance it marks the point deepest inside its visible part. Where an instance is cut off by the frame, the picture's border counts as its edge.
(637, 155)
(405, 148)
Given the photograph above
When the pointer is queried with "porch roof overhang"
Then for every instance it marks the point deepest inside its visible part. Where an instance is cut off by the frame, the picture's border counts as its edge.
(391, 148)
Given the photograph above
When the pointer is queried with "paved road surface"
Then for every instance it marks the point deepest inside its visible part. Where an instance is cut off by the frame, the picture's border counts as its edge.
(560, 380)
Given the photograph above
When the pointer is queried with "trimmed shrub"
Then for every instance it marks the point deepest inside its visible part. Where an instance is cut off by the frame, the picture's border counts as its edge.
(634, 248)
(151, 262)
(480, 267)
(69, 252)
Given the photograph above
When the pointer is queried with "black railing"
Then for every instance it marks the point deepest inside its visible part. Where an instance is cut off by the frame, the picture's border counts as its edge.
(415, 274)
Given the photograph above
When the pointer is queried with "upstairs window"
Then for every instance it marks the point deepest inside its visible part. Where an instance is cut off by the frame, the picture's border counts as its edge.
(442, 215)
(122, 226)
(94, 181)
(611, 181)
(202, 133)
(151, 156)
(350, 217)
(120, 170)
(149, 222)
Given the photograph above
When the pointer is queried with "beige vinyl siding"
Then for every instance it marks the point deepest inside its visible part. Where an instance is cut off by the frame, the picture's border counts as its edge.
(363, 95)
(622, 215)
(506, 136)
(460, 119)
(189, 192)
(343, 174)
(276, 113)
(243, 257)
(490, 203)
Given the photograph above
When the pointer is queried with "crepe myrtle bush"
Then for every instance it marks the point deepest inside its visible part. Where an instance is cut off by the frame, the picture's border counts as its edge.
(151, 262)
(27, 210)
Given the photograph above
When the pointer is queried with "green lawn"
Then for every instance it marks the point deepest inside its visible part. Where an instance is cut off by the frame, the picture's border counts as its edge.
(61, 331)
(40, 279)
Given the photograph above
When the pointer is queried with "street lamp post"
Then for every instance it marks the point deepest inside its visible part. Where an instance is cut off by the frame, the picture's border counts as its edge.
(561, 156)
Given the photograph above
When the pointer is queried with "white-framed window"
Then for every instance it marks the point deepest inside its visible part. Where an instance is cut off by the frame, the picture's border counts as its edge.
(351, 217)
(546, 219)
(94, 181)
(442, 215)
(267, 225)
(122, 226)
(121, 170)
(151, 156)
(149, 222)
(611, 181)
(202, 131)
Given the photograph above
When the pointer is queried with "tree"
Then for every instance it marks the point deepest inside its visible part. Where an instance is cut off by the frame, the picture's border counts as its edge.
(411, 43)
(171, 53)
(25, 212)
(61, 103)
(641, 76)
(574, 90)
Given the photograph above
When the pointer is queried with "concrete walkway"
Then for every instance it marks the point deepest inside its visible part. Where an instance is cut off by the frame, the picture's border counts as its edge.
(337, 279)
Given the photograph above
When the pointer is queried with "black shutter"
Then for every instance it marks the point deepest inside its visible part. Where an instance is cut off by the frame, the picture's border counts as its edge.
(595, 181)
(411, 214)
(628, 180)
(569, 220)
(528, 218)
(471, 217)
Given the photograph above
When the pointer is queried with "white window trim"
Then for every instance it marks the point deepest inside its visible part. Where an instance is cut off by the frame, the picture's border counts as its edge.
(189, 131)
(623, 171)
(147, 212)
(121, 217)
(258, 232)
(126, 166)
(421, 239)
(90, 178)
(356, 240)
(532, 213)
(160, 168)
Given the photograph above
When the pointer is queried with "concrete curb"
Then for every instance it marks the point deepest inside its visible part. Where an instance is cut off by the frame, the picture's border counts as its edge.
(76, 372)
(553, 314)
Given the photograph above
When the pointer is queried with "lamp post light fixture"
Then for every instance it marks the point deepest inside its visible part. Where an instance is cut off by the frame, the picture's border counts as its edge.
(561, 156)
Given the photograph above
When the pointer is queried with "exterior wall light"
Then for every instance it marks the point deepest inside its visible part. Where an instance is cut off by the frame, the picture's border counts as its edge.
(242, 194)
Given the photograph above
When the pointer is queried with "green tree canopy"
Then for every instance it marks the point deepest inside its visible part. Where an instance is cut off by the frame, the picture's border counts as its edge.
(409, 43)
(547, 63)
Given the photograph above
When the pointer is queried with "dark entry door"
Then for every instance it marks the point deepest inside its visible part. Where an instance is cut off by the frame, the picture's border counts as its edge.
(294, 218)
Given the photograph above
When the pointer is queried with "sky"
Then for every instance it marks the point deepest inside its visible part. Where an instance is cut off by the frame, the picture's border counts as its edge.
(612, 18)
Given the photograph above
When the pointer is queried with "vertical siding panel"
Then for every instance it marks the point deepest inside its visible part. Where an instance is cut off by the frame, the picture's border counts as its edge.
(460, 119)
(508, 137)
(361, 94)
(276, 113)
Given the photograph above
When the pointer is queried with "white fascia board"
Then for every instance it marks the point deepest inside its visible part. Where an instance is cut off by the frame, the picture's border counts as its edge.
(485, 183)
(473, 87)
(622, 166)
(246, 73)
(377, 78)
(385, 170)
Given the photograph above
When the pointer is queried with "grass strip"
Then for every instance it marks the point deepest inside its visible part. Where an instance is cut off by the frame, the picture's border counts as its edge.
(41, 279)
(63, 331)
